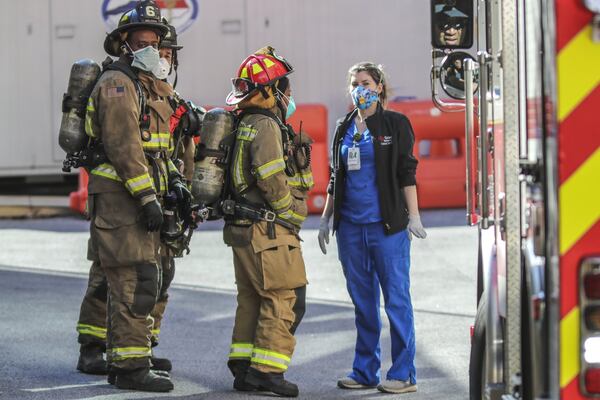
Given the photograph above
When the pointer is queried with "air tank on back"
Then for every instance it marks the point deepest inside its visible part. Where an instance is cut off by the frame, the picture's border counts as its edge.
(84, 74)
(208, 180)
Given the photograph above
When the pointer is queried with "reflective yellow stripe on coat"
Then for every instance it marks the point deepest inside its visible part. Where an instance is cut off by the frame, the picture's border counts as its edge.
(139, 184)
(269, 169)
(158, 142)
(106, 171)
(305, 180)
(90, 110)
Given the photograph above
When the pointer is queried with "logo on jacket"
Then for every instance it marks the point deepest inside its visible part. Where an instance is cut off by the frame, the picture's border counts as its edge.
(180, 13)
(385, 140)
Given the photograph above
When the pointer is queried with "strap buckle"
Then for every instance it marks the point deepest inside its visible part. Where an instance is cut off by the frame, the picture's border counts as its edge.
(269, 216)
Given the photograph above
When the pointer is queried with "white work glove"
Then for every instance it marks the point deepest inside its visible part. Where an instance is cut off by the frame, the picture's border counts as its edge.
(323, 234)
(415, 227)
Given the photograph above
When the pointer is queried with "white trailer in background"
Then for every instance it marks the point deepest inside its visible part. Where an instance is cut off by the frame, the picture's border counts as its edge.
(42, 38)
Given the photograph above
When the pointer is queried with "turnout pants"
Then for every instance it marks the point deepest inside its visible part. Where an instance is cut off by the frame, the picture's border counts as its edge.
(371, 259)
(92, 315)
(127, 255)
(167, 267)
(271, 283)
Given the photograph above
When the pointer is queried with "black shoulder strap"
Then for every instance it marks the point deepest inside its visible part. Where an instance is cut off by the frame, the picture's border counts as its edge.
(124, 68)
(266, 113)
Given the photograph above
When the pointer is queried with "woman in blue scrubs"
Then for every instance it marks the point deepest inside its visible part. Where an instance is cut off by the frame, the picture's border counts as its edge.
(372, 197)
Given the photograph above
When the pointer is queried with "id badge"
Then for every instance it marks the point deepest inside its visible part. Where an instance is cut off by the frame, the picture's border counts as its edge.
(353, 159)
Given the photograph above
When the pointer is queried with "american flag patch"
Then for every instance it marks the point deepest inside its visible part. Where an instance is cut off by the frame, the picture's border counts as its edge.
(116, 91)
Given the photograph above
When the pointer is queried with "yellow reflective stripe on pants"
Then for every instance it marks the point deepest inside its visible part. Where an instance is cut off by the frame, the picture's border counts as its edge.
(139, 183)
(97, 331)
(270, 168)
(282, 203)
(301, 180)
(271, 358)
(90, 109)
(123, 353)
(241, 350)
(158, 141)
(155, 332)
(246, 133)
(292, 217)
(106, 171)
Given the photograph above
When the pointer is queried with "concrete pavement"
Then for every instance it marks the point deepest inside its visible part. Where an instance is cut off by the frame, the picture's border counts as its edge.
(42, 280)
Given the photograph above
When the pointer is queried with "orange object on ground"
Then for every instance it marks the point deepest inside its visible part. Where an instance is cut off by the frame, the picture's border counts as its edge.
(78, 199)
(440, 149)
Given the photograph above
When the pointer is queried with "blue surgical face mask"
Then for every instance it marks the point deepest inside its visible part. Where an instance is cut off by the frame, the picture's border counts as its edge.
(145, 59)
(291, 104)
(291, 108)
(363, 97)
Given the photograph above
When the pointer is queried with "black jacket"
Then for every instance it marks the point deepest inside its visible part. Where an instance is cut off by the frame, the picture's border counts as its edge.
(395, 165)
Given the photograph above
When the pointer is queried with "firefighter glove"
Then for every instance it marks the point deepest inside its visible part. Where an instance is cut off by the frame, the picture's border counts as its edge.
(183, 194)
(415, 227)
(152, 215)
(324, 234)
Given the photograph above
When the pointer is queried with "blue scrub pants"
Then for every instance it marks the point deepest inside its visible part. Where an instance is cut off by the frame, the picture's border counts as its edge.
(371, 258)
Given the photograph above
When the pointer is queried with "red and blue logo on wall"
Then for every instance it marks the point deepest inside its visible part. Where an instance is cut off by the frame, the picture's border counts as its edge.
(180, 13)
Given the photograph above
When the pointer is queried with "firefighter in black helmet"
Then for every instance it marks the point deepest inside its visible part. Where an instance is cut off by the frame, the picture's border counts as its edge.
(171, 48)
(125, 115)
(183, 156)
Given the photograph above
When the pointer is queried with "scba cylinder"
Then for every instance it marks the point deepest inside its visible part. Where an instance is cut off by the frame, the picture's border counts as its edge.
(208, 172)
(84, 74)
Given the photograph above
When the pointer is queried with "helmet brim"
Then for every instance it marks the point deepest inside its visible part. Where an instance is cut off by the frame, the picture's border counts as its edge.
(113, 39)
(171, 46)
(153, 26)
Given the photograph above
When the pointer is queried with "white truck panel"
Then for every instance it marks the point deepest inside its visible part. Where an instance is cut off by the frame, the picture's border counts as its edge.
(322, 39)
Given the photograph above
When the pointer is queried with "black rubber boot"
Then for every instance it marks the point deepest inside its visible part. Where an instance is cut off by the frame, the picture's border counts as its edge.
(91, 359)
(112, 375)
(239, 369)
(271, 381)
(161, 364)
(143, 379)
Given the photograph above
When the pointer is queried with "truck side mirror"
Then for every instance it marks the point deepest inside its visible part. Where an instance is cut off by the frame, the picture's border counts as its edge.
(593, 5)
(452, 24)
(452, 75)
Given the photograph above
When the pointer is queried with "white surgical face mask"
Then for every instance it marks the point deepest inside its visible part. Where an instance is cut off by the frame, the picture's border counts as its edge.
(145, 59)
(161, 71)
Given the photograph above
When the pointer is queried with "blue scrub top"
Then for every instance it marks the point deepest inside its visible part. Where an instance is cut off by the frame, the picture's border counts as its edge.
(361, 197)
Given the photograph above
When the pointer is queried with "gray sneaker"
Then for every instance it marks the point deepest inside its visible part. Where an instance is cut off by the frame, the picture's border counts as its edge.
(349, 383)
(395, 386)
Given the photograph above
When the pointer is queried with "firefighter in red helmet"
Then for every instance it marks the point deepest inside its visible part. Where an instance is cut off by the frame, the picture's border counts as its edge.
(269, 182)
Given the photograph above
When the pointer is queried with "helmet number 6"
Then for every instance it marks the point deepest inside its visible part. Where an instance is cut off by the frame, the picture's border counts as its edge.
(150, 11)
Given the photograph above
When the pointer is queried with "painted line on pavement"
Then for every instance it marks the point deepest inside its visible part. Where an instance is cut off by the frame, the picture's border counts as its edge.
(65, 387)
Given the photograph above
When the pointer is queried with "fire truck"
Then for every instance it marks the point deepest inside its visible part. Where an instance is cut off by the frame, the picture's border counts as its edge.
(528, 81)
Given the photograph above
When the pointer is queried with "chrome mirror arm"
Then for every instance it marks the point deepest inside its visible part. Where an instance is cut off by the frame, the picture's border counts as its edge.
(470, 67)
